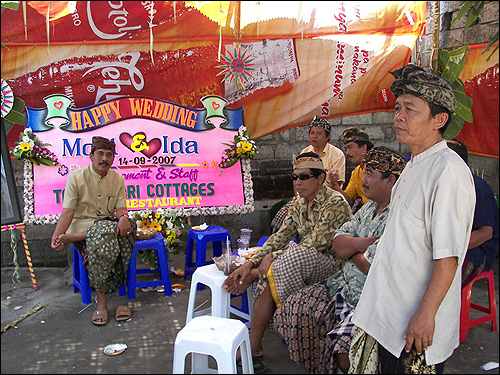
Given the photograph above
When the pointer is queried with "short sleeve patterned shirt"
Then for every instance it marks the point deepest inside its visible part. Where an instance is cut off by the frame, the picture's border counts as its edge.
(349, 281)
(329, 210)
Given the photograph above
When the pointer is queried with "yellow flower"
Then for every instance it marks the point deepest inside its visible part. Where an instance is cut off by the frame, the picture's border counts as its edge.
(246, 146)
(156, 226)
(239, 150)
(25, 146)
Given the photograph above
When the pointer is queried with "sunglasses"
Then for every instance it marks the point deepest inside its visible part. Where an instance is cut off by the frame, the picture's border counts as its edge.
(302, 176)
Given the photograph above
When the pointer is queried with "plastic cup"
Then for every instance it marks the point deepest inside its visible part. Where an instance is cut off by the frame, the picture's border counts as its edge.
(243, 244)
(246, 233)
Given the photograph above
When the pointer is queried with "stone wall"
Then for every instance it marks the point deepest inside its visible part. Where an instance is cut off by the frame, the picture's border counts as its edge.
(271, 167)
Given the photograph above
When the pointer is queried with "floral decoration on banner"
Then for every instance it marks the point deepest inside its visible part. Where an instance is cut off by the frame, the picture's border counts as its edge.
(172, 227)
(237, 67)
(31, 148)
(241, 148)
(7, 98)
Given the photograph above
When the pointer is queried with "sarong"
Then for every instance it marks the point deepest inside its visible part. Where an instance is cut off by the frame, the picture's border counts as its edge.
(297, 268)
(106, 255)
(363, 354)
(303, 320)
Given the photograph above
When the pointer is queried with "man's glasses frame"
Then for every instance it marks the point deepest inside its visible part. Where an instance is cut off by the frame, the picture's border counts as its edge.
(301, 176)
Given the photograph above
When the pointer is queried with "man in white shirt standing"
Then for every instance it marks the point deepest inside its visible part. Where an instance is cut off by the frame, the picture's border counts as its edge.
(410, 303)
(333, 158)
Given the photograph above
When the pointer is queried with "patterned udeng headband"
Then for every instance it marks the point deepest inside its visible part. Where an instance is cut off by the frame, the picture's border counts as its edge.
(320, 123)
(383, 159)
(414, 80)
(307, 162)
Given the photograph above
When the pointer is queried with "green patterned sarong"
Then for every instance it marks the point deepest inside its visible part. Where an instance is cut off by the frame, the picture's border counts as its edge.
(108, 255)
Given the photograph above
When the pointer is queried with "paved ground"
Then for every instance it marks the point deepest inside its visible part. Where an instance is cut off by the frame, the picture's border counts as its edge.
(60, 338)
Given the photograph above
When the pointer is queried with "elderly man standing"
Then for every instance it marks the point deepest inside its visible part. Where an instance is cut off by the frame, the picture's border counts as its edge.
(333, 158)
(95, 217)
(284, 269)
(410, 303)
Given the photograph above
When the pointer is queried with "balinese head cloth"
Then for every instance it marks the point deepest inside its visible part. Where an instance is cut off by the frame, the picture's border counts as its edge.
(355, 135)
(307, 162)
(320, 123)
(384, 159)
(414, 80)
(101, 143)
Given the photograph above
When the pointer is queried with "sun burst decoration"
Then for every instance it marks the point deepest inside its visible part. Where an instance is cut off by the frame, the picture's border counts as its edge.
(238, 66)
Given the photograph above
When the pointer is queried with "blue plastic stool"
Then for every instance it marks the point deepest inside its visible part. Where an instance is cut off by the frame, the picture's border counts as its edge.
(81, 280)
(155, 243)
(246, 310)
(215, 234)
(263, 240)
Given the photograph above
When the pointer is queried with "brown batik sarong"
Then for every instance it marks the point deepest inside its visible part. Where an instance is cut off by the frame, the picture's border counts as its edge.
(303, 320)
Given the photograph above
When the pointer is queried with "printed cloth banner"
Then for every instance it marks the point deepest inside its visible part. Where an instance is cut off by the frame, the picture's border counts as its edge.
(284, 64)
(480, 79)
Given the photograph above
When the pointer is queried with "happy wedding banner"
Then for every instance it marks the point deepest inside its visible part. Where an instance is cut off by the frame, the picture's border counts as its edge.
(169, 155)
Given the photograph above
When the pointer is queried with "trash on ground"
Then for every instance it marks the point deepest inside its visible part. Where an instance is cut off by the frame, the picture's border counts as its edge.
(177, 271)
(489, 366)
(18, 307)
(14, 323)
(115, 349)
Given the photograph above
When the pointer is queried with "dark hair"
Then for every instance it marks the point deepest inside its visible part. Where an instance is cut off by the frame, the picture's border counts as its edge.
(460, 148)
(437, 109)
(315, 172)
(369, 144)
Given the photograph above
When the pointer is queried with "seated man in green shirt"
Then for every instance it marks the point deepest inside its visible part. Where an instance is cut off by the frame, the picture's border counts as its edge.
(94, 205)
(313, 217)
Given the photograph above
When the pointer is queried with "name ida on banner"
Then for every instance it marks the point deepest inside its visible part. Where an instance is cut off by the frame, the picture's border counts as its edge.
(169, 155)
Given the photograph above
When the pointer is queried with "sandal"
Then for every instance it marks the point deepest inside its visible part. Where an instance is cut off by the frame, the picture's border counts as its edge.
(122, 313)
(259, 366)
(100, 318)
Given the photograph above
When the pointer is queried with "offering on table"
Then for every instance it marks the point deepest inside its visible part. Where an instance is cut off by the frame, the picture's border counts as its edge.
(145, 233)
(235, 261)
(248, 253)
(200, 227)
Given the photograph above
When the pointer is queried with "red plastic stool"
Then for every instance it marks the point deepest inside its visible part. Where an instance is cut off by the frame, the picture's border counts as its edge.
(465, 322)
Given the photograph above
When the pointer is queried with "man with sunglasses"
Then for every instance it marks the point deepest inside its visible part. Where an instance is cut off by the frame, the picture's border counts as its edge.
(306, 317)
(313, 217)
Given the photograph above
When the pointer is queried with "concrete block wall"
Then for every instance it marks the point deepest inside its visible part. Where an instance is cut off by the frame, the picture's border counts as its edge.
(271, 167)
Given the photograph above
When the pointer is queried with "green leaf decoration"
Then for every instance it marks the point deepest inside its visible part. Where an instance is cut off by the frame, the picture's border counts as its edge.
(461, 12)
(16, 114)
(12, 5)
(454, 128)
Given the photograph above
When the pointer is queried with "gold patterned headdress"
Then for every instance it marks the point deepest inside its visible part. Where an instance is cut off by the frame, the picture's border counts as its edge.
(307, 162)
(383, 159)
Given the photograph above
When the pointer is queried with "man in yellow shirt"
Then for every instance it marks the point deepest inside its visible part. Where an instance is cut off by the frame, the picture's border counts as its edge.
(94, 207)
(357, 143)
(333, 158)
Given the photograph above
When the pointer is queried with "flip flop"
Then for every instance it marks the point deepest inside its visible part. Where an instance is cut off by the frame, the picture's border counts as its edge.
(259, 366)
(100, 318)
(122, 313)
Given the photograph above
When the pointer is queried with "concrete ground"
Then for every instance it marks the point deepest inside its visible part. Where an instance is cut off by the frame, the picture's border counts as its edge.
(60, 338)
